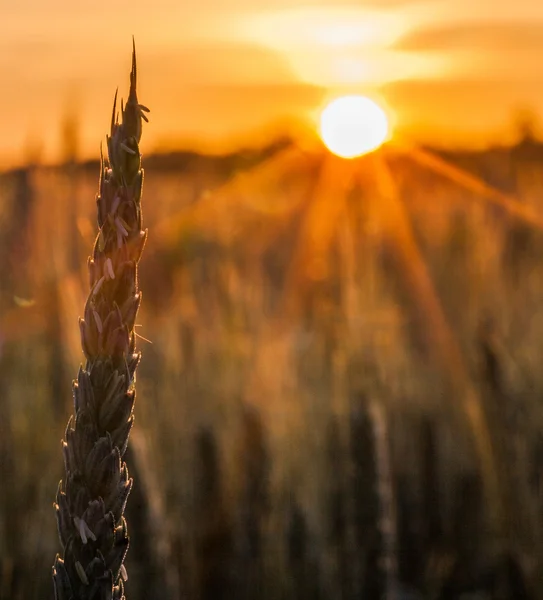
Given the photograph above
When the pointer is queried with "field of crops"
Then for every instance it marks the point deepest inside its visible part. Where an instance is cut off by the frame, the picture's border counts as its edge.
(341, 384)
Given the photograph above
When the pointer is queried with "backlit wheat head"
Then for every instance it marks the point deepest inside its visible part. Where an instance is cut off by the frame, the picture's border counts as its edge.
(91, 500)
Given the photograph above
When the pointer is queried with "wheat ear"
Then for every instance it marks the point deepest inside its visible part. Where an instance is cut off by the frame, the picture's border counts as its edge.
(90, 502)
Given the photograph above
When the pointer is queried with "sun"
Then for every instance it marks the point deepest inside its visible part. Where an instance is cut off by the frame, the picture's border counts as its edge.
(353, 125)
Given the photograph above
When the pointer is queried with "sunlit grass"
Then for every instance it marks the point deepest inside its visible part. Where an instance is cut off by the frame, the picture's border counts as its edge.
(276, 301)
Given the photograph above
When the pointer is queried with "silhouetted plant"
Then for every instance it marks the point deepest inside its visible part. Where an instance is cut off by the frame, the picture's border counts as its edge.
(336, 518)
(92, 499)
(253, 466)
(302, 565)
(15, 286)
(212, 525)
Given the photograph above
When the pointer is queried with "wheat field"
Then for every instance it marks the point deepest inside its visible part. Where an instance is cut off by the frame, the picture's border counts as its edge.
(340, 395)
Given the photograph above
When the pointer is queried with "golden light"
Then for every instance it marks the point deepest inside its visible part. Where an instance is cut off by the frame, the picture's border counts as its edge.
(353, 125)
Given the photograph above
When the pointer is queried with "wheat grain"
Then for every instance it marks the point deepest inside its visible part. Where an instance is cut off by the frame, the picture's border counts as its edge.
(90, 501)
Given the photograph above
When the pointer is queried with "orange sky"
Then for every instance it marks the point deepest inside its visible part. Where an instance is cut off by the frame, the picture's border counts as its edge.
(215, 71)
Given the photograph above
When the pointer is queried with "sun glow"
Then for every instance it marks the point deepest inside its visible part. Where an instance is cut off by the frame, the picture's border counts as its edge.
(353, 125)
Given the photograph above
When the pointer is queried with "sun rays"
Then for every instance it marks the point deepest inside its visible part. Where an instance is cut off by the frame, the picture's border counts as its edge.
(320, 209)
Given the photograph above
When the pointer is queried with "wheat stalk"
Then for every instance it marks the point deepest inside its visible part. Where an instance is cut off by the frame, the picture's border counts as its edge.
(90, 502)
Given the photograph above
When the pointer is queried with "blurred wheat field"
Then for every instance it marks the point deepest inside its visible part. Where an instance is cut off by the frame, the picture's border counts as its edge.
(340, 388)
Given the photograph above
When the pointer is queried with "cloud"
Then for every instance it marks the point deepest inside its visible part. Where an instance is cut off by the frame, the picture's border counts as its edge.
(462, 110)
(209, 111)
(217, 63)
(475, 35)
(257, 5)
